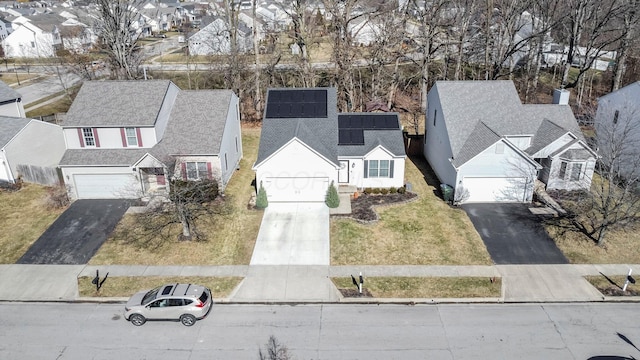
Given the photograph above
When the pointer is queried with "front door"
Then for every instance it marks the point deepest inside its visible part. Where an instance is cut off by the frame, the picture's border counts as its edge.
(343, 173)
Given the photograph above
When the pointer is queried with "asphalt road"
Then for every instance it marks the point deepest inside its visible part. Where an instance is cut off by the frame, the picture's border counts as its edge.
(77, 234)
(513, 235)
(554, 331)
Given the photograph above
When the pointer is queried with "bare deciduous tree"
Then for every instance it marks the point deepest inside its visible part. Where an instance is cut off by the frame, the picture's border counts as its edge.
(614, 199)
(119, 40)
(274, 350)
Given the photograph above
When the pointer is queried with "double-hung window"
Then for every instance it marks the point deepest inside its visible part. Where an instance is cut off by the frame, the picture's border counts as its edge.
(88, 137)
(196, 170)
(132, 137)
(576, 171)
(379, 169)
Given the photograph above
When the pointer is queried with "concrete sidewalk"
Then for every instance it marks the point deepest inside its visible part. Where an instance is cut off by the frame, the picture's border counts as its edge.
(312, 284)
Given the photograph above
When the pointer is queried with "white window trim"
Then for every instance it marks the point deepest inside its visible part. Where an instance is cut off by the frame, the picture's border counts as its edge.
(134, 136)
(199, 176)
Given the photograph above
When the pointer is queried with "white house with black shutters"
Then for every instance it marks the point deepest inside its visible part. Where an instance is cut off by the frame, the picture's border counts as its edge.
(306, 145)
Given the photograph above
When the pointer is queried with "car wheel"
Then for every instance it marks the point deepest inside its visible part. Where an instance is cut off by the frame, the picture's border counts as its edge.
(137, 319)
(187, 320)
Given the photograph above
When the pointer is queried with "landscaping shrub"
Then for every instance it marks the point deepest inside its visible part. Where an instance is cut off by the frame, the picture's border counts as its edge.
(367, 191)
(402, 190)
(261, 199)
(393, 190)
(384, 191)
(375, 191)
(332, 199)
(57, 197)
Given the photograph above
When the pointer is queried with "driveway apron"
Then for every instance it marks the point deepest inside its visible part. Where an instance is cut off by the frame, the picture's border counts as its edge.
(513, 235)
(293, 234)
(77, 234)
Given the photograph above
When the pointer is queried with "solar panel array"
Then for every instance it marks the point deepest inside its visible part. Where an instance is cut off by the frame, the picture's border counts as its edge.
(351, 127)
(310, 103)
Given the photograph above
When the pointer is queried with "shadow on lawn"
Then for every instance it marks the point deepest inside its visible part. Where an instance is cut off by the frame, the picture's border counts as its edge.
(427, 173)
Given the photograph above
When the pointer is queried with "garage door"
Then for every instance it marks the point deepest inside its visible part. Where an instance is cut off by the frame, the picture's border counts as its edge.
(484, 189)
(296, 189)
(106, 186)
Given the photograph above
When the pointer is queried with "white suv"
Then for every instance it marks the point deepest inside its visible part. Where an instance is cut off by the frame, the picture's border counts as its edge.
(184, 302)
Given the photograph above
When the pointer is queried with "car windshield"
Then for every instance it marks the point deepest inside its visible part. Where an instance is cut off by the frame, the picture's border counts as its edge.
(150, 296)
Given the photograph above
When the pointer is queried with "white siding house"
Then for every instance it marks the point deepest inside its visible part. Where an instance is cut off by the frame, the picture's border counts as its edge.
(306, 145)
(617, 125)
(489, 147)
(30, 149)
(128, 139)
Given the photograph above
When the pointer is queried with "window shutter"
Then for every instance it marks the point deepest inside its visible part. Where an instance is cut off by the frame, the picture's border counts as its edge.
(123, 136)
(366, 169)
(139, 137)
(96, 138)
(184, 171)
(209, 172)
(80, 137)
(391, 169)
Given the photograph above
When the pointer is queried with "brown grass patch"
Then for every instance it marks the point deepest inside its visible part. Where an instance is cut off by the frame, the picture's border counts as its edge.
(23, 218)
(426, 287)
(231, 237)
(621, 246)
(423, 232)
(125, 286)
(612, 285)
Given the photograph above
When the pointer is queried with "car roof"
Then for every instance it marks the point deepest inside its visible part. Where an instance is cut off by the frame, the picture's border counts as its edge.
(180, 290)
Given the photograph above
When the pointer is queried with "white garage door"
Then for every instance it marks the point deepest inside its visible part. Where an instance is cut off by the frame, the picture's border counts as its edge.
(106, 186)
(296, 189)
(483, 189)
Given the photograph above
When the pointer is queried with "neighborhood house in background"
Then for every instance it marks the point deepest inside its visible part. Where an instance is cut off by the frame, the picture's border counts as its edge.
(30, 150)
(305, 145)
(617, 125)
(126, 138)
(483, 142)
(10, 102)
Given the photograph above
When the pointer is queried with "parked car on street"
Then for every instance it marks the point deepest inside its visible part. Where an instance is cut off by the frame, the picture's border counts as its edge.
(186, 303)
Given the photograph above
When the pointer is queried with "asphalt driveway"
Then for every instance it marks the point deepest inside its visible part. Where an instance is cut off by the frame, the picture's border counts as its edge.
(513, 235)
(293, 234)
(77, 234)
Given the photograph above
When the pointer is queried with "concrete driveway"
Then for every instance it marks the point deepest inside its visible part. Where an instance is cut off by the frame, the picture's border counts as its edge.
(77, 234)
(293, 234)
(513, 235)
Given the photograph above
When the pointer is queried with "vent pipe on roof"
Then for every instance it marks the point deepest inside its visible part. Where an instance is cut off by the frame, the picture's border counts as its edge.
(561, 96)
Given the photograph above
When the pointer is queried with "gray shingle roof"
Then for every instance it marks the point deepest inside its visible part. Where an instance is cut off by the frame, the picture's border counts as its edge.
(7, 93)
(547, 133)
(480, 138)
(321, 134)
(465, 104)
(117, 103)
(9, 127)
(196, 124)
(101, 157)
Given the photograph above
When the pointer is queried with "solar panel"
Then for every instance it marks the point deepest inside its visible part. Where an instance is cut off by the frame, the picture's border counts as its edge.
(350, 137)
(297, 103)
(370, 121)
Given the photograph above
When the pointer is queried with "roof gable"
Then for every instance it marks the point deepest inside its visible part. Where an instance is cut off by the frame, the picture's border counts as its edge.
(10, 127)
(7, 93)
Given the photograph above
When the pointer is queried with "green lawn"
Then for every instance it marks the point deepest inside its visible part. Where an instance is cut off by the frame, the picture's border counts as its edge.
(125, 286)
(422, 232)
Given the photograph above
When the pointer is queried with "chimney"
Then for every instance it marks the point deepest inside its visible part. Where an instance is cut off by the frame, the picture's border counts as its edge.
(561, 96)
